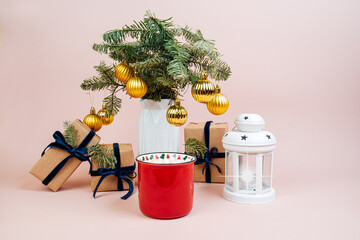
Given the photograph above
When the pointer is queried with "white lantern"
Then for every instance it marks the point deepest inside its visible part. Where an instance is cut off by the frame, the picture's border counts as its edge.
(249, 161)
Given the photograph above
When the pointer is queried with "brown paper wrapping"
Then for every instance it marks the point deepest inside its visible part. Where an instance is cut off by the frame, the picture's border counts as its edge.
(54, 156)
(217, 131)
(110, 183)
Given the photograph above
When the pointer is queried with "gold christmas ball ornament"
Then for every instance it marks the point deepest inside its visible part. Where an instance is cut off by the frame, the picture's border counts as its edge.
(105, 115)
(219, 104)
(177, 115)
(203, 90)
(93, 121)
(136, 87)
(124, 72)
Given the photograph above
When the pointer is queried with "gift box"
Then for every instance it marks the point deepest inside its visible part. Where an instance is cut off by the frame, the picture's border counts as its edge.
(212, 167)
(60, 161)
(118, 179)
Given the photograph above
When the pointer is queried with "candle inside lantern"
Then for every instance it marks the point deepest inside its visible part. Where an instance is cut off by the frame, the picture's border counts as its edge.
(247, 176)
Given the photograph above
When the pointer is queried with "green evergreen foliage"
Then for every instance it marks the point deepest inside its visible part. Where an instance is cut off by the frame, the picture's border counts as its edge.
(195, 148)
(106, 80)
(102, 156)
(168, 57)
(70, 134)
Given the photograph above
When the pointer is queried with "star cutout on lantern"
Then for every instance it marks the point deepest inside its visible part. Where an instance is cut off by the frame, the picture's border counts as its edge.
(246, 118)
(244, 137)
(226, 135)
(268, 136)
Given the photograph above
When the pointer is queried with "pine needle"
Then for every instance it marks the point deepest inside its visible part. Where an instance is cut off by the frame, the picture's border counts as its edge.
(195, 148)
(102, 156)
(70, 134)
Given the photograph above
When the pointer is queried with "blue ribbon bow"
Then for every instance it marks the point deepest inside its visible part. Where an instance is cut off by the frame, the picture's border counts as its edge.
(122, 173)
(77, 152)
(212, 153)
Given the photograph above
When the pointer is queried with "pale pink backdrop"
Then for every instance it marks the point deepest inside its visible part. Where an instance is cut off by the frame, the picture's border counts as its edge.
(294, 62)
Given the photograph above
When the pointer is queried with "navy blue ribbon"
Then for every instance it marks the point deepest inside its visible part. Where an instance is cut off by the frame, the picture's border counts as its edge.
(77, 152)
(122, 173)
(211, 153)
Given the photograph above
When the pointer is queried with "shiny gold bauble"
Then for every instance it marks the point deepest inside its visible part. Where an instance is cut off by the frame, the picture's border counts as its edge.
(219, 104)
(136, 87)
(124, 72)
(93, 121)
(203, 90)
(105, 115)
(177, 115)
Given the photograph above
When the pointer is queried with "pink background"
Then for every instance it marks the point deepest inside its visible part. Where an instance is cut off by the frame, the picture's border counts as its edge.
(294, 62)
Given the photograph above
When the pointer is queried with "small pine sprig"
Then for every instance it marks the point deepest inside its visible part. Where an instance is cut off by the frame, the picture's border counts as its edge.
(106, 80)
(195, 148)
(70, 134)
(113, 102)
(102, 156)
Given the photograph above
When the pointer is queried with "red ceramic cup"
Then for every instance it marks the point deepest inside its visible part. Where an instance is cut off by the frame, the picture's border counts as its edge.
(166, 184)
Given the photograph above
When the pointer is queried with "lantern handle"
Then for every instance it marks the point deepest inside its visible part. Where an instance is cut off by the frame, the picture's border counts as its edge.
(235, 127)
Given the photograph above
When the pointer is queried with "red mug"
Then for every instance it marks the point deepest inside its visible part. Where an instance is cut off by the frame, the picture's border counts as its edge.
(166, 184)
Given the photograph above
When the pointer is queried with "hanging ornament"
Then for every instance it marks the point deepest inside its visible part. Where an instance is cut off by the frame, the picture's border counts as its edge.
(219, 104)
(136, 87)
(203, 90)
(177, 115)
(124, 72)
(105, 115)
(93, 121)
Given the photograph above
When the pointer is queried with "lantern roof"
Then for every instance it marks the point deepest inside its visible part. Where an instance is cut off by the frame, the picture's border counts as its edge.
(249, 122)
(249, 133)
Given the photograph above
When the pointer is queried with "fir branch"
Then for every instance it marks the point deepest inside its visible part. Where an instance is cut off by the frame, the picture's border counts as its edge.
(195, 148)
(105, 79)
(102, 156)
(128, 52)
(176, 67)
(70, 134)
(190, 36)
(119, 35)
(105, 47)
(95, 83)
(164, 81)
(113, 102)
(193, 76)
(219, 70)
(158, 92)
(168, 57)
(150, 64)
(205, 48)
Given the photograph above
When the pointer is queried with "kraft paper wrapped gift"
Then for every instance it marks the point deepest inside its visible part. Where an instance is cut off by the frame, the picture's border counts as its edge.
(118, 179)
(216, 133)
(54, 157)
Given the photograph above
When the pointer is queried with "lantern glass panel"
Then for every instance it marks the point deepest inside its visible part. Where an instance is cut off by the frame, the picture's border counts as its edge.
(229, 169)
(267, 165)
(247, 173)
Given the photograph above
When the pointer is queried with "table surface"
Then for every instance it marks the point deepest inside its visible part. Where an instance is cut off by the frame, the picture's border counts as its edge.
(302, 210)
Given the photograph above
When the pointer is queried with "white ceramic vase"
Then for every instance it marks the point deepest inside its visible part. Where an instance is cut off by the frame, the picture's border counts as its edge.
(155, 133)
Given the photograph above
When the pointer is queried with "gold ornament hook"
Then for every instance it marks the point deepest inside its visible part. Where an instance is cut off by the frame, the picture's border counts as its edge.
(204, 76)
(217, 89)
(104, 105)
(177, 102)
(92, 110)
